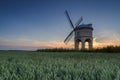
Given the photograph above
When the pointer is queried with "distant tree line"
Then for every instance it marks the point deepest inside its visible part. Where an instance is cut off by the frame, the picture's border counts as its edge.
(109, 49)
(56, 50)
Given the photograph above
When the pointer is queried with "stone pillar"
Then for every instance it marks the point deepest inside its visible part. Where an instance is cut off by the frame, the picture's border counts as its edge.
(76, 45)
(90, 45)
(83, 45)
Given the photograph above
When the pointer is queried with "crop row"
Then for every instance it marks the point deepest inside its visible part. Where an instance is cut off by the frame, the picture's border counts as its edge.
(59, 69)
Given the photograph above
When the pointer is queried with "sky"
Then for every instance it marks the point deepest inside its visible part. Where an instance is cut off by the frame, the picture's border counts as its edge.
(39, 24)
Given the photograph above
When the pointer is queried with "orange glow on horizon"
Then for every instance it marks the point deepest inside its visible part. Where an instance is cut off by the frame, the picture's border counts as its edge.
(61, 44)
(105, 43)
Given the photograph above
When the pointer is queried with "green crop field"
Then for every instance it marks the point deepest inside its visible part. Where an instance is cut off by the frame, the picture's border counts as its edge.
(31, 65)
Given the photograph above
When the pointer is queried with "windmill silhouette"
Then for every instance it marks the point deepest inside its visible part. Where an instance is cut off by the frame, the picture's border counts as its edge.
(82, 33)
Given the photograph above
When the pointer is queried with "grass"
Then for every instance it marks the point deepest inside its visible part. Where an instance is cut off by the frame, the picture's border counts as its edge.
(33, 65)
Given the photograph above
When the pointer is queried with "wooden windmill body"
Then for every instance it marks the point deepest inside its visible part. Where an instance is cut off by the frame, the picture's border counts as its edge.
(82, 33)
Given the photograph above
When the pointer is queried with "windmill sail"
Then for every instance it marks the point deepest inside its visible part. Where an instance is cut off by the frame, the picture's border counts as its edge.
(69, 37)
(68, 17)
(79, 21)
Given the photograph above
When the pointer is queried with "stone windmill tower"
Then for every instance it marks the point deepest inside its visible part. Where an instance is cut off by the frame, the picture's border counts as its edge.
(82, 32)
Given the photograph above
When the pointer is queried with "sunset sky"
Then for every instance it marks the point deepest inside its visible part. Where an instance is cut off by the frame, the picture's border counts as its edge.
(33, 24)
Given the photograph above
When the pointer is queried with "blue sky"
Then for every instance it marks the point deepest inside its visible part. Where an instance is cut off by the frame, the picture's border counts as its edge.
(32, 24)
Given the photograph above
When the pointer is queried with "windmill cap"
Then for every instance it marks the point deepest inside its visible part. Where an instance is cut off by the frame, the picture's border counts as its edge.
(85, 26)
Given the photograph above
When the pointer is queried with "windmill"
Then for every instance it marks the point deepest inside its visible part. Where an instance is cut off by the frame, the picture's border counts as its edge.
(82, 33)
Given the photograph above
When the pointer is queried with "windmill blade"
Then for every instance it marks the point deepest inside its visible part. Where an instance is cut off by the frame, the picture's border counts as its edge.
(79, 21)
(69, 37)
(68, 17)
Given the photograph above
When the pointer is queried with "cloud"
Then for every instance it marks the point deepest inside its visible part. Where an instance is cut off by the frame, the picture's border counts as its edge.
(102, 39)
(107, 38)
(31, 43)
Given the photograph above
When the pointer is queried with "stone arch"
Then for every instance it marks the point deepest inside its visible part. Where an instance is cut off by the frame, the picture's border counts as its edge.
(77, 44)
(89, 43)
(83, 41)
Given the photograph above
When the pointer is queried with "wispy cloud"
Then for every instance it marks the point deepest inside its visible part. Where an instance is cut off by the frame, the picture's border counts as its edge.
(25, 42)
(107, 38)
(103, 39)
